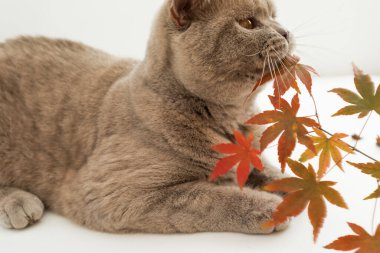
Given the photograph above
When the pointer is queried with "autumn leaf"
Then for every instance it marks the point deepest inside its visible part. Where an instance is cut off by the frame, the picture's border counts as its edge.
(304, 191)
(378, 141)
(327, 148)
(368, 101)
(286, 74)
(285, 124)
(240, 153)
(372, 169)
(363, 241)
(374, 195)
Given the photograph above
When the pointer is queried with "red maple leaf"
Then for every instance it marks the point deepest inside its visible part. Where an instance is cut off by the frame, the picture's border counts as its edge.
(288, 125)
(240, 153)
(363, 241)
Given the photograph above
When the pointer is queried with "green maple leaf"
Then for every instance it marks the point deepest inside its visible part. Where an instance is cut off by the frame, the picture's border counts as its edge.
(362, 104)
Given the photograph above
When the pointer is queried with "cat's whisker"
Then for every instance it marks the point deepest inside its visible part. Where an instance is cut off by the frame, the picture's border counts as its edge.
(279, 72)
(270, 68)
(305, 24)
(262, 77)
(328, 51)
(251, 55)
(264, 66)
(282, 63)
(290, 60)
(274, 75)
(306, 36)
(316, 47)
(305, 53)
(317, 33)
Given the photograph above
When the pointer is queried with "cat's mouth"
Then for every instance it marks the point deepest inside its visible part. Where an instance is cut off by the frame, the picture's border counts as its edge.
(275, 52)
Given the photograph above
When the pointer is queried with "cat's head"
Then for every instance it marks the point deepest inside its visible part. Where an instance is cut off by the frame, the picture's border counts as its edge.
(218, 48)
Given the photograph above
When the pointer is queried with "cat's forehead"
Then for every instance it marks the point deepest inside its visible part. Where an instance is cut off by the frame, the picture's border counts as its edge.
(258, 7)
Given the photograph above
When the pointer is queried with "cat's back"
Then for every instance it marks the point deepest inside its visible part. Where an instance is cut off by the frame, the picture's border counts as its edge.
(36, 54)
(50, 94)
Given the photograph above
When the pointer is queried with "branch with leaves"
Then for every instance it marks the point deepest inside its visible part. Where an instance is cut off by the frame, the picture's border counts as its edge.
(308, 190)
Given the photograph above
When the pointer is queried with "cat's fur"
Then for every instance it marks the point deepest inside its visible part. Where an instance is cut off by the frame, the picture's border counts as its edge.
(124, 146)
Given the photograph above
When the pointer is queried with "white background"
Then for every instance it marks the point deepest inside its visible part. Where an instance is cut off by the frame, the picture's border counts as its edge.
(334, 33)
(331, 33)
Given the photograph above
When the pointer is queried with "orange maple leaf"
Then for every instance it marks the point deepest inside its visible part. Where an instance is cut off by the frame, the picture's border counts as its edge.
(242, 153)
(378, 141)
(363, 241)
(372, 169)
(327, 147)
(368, 101)
(284, 121)
(285, 76)
(304, 190)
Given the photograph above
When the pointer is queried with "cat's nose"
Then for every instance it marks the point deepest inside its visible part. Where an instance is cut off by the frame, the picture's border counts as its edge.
(285, 34)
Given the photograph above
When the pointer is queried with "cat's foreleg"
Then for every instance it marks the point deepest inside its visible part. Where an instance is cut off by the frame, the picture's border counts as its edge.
(206, 207)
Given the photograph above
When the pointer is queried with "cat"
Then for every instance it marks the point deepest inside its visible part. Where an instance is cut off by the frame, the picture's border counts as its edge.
(123, 146)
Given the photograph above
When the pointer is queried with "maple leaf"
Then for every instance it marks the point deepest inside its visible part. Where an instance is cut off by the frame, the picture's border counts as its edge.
(242, 153)
(286, 74)
(328, 148)
(374, 195)
(368, 101)
(287, 124)
(304, 190)
(372, 169)
(363, 241)
(378, 141)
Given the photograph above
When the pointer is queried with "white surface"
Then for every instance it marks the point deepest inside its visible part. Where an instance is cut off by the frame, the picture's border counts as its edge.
(59, 235)
(331, 33)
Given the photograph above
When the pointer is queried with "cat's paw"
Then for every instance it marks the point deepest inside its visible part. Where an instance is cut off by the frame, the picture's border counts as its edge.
(20, 209)
(269, 207)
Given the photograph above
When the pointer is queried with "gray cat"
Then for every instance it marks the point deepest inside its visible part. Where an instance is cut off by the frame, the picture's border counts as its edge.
(122, 146)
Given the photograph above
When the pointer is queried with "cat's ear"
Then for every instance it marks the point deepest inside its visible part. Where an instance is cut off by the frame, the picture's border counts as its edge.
(182, 11)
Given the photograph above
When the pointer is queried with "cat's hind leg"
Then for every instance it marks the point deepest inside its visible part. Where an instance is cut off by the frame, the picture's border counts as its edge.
(18, 208)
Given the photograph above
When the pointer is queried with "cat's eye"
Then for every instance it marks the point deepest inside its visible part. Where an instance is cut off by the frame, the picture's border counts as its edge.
(248, 23)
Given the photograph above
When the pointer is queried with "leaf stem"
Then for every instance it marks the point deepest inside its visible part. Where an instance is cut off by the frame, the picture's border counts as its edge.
(316, 110)
(310, 116)
(364, 126)
(374, 211)
(354, 148)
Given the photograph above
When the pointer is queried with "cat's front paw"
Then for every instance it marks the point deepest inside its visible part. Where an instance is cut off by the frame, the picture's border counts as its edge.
(19, 210)
(269, 206)
(278, 227)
